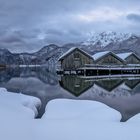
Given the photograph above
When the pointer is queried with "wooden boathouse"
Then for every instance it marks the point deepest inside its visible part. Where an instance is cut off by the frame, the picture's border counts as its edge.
(75, 58)
(77, 61)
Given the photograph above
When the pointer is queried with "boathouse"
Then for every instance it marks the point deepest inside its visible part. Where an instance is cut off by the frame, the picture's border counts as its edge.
(77, 61)
(75, 58)
(107, 58)
(129, 58)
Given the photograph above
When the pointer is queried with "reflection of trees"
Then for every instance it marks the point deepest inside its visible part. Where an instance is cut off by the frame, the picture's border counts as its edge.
(46, 76)
(41, 73)
(7, 74)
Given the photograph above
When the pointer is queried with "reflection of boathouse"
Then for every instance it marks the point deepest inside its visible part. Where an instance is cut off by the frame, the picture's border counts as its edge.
(78, 86)
(75, 85)
(132, 83)
(109, 85)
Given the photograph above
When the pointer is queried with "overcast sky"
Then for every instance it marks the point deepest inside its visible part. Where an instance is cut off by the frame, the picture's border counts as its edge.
(27, 25)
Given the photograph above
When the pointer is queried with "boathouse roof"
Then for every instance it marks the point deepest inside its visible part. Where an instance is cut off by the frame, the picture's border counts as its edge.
(126, 55)
(100, 55)
(72, 50)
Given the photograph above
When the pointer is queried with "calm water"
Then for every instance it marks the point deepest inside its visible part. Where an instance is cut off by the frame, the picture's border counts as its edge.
(122, 94)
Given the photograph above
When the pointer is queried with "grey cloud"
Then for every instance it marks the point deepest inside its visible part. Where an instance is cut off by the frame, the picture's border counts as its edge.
(54, 32)
(22, 22)
(134, 17)
(18, 40)
(65, 36)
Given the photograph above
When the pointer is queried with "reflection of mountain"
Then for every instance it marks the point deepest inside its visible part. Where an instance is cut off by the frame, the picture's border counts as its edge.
(74, 84)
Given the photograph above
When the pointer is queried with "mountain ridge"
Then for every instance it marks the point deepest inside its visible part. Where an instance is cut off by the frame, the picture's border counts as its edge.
(48, 55)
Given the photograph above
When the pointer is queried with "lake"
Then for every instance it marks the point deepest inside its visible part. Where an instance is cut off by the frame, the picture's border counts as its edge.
(122, 94)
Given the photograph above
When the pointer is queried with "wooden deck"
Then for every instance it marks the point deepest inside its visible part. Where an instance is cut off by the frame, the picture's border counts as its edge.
(103, 70)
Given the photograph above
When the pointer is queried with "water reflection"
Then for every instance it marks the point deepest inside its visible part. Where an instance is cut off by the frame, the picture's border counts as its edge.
(132, 83)
(75, 84)
(110, 84)
(121, 94)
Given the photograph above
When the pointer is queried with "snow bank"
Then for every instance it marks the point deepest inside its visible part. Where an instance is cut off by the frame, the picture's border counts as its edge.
(86, 120)
(13, 105)
(63, 120)
(17, 114)
(73, 109)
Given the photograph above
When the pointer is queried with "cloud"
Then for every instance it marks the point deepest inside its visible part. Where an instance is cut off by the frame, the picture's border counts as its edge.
(101, 14)
(134, 17)
(30, 24)
(17, 40)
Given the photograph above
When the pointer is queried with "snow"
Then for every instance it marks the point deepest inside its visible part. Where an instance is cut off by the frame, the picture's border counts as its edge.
(124, 55)
(72, 49)
(98, 55)
(18, 102)
(17, 113)
(69, 119)
(63, 120)
(105, 38)
(24, 66)
(66, 53)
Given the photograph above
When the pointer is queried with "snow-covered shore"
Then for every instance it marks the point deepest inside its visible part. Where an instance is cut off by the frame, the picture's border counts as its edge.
(17, 112)
(63, 120)
(12, 105)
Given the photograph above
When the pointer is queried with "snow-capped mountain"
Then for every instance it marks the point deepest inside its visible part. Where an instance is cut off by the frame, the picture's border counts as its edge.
(105, 38)
(48, 55)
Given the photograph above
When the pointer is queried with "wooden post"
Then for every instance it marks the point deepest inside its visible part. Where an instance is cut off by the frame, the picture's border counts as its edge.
(109, 71)
(97, 71)
(84, 72)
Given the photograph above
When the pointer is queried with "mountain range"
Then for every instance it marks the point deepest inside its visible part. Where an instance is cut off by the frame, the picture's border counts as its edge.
(48, 55)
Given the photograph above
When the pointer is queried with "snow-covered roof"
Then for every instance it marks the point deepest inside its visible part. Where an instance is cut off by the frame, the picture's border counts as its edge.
(67, 52)
(98, 55)
(124, 55)
(72, 49)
